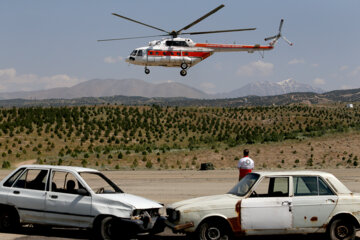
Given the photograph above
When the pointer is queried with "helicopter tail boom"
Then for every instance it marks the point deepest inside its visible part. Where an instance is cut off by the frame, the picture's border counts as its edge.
(234, 47)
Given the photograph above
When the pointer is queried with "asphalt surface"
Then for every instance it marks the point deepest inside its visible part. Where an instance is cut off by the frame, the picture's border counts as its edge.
(27, 233)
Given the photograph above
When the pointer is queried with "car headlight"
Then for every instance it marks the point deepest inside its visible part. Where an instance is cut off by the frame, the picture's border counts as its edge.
(144, 213)
(173, 215)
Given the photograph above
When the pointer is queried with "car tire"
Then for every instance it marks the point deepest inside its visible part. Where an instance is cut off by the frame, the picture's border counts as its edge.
(342, 229)
(107, 229)
(213, 230)
(9, 220)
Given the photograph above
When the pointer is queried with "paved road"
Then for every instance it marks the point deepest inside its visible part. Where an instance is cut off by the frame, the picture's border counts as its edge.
(76, 234)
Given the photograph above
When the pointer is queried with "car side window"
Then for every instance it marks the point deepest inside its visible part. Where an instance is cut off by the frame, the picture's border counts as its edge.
(32, 179)
(13, 178)
(310, 186)
(324, 189)
(65, 182)
(272, 187)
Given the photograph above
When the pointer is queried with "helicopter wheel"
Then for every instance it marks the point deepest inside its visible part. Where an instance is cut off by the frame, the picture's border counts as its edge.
(147, 71)
(184, 65)
(183, 72)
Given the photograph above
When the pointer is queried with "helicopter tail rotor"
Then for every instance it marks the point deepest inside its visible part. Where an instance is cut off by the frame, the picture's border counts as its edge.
(278, 36)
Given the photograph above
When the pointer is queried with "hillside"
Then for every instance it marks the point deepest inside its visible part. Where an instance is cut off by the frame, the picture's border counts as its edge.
(343, 96)
(125, 137)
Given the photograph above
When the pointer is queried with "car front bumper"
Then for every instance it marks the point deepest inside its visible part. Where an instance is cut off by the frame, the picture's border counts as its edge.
(133, 227)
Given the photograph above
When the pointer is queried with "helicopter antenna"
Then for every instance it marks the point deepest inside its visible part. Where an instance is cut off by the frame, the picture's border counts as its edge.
(278, 36)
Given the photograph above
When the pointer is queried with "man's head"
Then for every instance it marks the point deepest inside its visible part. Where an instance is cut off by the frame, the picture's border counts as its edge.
(246, 152)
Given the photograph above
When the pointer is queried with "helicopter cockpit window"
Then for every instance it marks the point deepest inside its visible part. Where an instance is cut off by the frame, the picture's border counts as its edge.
(133, 53)
(176, 44)
(140, 53)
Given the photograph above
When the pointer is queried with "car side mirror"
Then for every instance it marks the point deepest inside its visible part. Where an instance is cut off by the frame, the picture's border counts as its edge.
(82, 192)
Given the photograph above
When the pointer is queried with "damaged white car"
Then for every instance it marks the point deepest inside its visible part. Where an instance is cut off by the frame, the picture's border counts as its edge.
(263, 203)
(74, 197)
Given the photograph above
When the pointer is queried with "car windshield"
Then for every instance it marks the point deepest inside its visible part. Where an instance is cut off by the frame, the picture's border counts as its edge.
(99, 183)
(245, 184)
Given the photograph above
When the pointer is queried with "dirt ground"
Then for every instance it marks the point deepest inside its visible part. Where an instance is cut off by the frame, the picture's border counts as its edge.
(170, 186)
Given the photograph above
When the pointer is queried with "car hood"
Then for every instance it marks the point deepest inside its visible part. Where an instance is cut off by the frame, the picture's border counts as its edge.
(136, 202)
(206, 202)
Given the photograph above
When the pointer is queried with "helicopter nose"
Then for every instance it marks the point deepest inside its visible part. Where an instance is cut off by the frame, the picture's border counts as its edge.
(129, 59)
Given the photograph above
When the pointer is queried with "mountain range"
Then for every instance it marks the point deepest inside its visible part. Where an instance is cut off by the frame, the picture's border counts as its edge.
(265, 88)
(134, 87)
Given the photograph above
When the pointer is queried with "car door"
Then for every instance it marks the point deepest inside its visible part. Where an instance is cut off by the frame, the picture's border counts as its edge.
(28, 195)
(313, 202)
(65, 205)
(268, 207)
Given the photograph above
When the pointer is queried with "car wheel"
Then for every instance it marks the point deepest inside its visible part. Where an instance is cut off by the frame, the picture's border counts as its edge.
(342, 229)
(107, 228)
(9, 221)
(213, 230)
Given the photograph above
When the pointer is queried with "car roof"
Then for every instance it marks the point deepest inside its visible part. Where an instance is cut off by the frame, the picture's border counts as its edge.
(68, 168)
(338, 186)
(295, 173)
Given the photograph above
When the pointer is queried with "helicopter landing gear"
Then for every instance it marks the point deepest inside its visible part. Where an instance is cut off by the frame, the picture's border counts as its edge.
(183, 72)
(147, 71)
(184, 66)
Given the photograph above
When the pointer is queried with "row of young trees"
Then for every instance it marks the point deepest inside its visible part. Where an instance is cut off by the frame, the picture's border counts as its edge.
(72, 131)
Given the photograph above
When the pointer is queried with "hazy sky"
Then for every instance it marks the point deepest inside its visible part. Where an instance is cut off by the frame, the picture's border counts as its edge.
(45, 44)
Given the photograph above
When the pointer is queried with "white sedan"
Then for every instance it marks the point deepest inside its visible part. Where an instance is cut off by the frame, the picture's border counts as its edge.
(74, 197)
(265, 203)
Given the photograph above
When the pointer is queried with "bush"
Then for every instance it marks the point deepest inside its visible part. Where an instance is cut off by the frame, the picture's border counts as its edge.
(135, 163)
(6, 164)
(149, 164)
(84, 163)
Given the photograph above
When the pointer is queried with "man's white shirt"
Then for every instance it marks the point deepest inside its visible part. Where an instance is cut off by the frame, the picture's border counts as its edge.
(246, 163)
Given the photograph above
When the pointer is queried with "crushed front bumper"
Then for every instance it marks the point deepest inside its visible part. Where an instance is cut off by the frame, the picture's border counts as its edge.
(134, 227)
(179, 227)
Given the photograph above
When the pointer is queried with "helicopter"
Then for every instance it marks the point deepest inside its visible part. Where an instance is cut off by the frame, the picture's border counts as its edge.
(175, 51)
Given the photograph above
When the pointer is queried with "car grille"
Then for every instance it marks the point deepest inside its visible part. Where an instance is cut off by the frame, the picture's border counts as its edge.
(153, 212)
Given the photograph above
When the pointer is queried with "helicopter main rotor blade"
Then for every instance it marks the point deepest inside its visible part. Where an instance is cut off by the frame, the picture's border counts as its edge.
(200, 19)
(270, 38)
(281, 24)
(127, 38)
(132, 20)
(220, 31)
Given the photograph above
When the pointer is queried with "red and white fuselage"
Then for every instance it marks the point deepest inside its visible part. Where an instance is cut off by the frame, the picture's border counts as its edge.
(183, 52)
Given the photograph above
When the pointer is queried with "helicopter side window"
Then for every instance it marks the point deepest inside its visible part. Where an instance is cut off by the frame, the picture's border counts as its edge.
(183, 44)
(133, 53)
(139, 53)
(176, 43)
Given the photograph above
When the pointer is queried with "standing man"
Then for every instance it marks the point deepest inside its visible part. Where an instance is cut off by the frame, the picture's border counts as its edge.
(245, 165)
